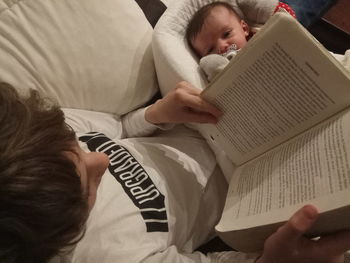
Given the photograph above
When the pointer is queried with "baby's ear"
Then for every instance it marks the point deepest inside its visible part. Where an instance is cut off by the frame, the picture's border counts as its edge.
(245, 28)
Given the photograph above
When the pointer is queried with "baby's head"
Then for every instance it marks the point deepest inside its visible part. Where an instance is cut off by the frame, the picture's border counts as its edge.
(214, 28)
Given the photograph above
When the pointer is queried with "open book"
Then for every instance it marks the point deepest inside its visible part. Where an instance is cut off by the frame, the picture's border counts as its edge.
(286, 125)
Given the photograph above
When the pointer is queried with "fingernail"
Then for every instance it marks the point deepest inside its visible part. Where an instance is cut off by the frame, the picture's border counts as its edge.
(310, 212)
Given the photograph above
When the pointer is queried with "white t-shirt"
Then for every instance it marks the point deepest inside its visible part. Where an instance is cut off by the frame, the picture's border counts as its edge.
(160, 197)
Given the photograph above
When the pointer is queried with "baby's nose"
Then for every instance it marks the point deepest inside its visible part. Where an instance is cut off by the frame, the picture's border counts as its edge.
(223, 45)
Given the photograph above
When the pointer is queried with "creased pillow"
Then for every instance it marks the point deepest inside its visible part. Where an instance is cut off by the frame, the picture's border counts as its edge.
(91, 54)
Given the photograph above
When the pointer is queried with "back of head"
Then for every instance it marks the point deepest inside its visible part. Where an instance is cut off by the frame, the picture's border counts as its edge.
(197, 21)
(42, 204)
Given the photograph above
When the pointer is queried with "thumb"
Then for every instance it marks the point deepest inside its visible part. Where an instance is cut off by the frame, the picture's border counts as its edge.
(299, 223)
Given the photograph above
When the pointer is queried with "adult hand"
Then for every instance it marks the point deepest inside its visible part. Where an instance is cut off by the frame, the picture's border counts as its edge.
(288, 245)
(182, 104)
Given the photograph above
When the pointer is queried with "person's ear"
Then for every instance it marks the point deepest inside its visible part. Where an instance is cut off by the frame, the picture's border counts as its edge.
(245, 28)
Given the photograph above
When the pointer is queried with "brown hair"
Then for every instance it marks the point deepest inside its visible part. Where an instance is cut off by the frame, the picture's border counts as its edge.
(197, 21)
(43, 207)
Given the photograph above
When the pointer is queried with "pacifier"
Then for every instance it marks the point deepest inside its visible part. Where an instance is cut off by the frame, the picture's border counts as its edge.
(230, 52)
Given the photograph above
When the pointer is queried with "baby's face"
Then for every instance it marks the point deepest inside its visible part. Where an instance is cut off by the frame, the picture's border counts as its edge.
(221, 29)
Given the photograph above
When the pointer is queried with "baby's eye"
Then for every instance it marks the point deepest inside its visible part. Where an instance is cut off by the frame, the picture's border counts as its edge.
(227, 34)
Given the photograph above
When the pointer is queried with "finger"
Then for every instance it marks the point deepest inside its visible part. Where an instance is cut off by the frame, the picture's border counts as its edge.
(198, 104)
(199, 117)
(192, 90)
(335, 244)
(190, 97)
(299, 223)
(188, 88)
(184, 85)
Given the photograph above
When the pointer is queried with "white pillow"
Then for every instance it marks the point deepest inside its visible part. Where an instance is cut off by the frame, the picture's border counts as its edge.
(173, 57)
(89, 54)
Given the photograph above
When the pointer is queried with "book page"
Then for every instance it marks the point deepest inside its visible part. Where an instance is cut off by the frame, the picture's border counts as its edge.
(279, 85)
(313, 168)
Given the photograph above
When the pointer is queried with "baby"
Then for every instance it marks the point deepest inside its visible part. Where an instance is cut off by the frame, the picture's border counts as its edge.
(216, 29)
